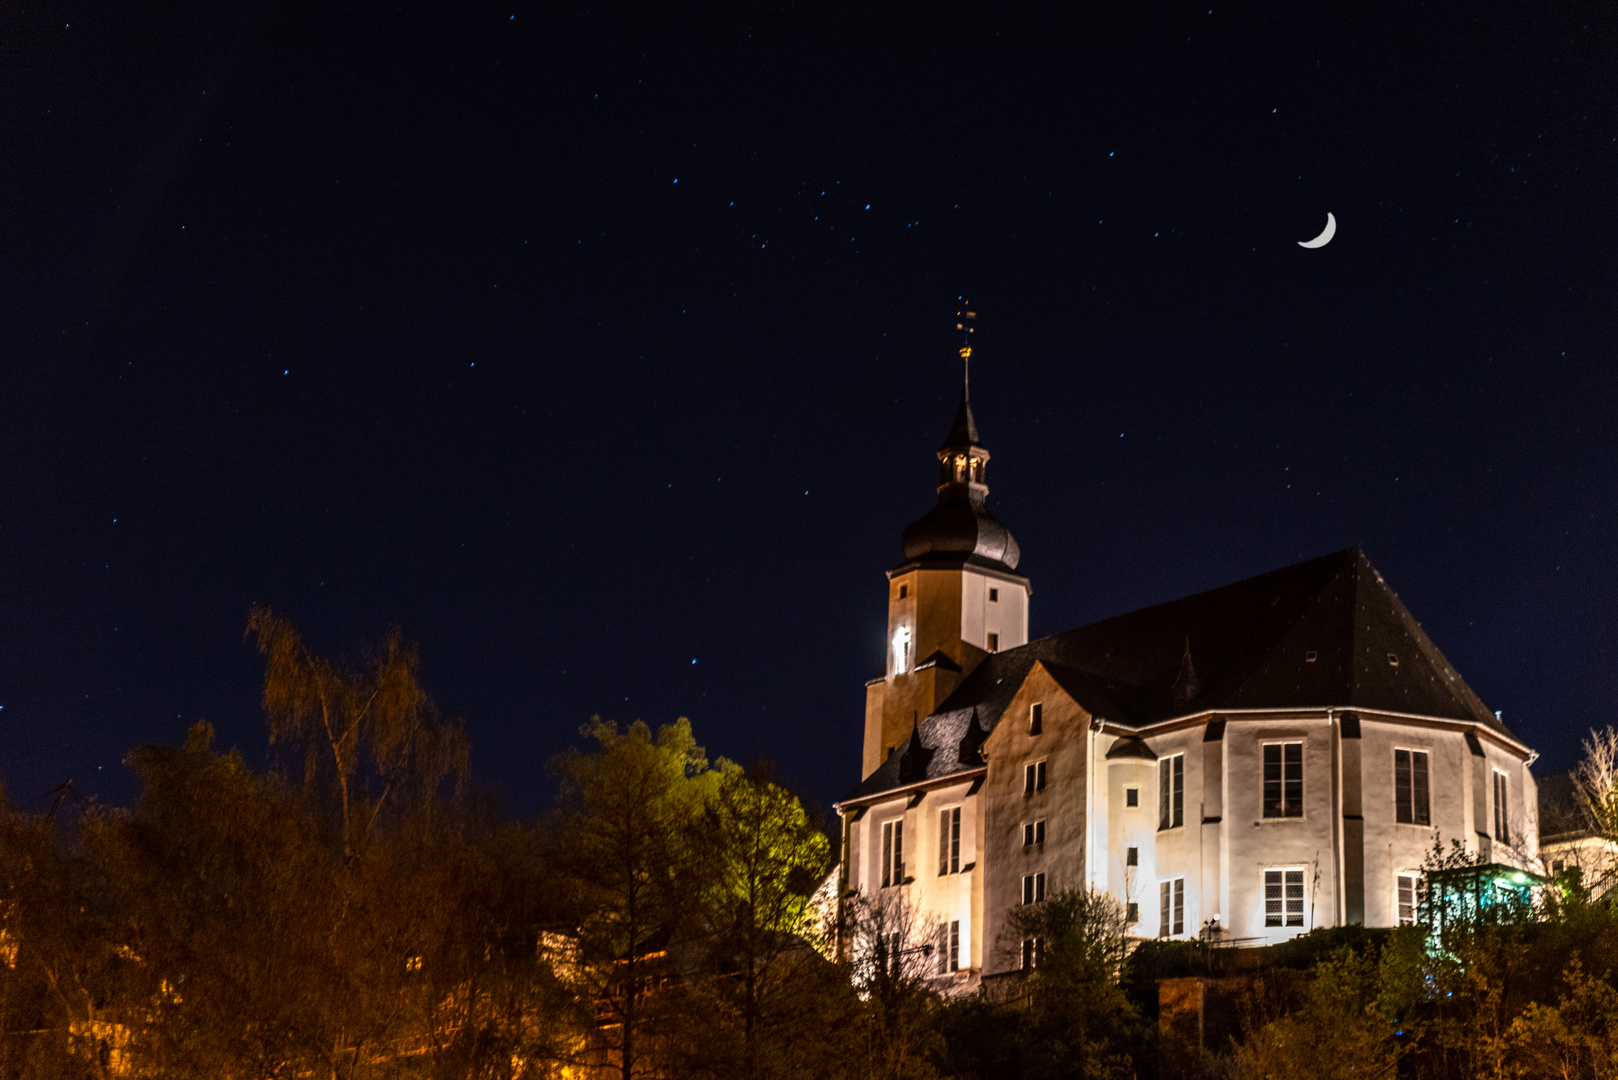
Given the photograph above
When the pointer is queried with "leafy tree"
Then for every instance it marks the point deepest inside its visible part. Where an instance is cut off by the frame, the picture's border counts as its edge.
(1079, 1022)
(768, 1003)
(1339, 1032)
(631, 809)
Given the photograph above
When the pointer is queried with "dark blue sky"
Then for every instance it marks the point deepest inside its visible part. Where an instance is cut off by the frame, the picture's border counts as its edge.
(605, 351)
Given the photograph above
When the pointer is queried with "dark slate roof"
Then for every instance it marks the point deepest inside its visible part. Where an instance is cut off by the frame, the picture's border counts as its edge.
(1247, 645)
(1131, 747)
(963, 433)
(960, 530)
(948, 745)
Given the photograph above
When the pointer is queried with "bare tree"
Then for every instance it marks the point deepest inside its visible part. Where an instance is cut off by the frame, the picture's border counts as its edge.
(375, 716)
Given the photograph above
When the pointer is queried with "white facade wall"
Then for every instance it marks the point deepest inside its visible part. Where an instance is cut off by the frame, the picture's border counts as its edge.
(1005, 616)
(1347, 841)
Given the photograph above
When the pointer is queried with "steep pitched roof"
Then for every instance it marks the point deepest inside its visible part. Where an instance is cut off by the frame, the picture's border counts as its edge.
(1249, 645)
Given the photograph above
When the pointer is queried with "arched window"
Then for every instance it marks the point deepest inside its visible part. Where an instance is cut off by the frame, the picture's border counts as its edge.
(901, 651)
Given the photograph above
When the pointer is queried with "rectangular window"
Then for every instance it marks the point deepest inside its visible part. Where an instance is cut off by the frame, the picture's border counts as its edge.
(1502, 831)
(1132, 915)
(893, 853)
(1036, 718)
(1410, 804)
(1405, 889)
(894, 953)
(1171, 907)
(955, 945)
(994, 643)
(1033, 951)
(1033, 888)
(1132, 856)
(1171, 792)
(1033, 832)
(904, 591)
(1283, 780)
(1131, 796)
(1283, 897)
(949, 841)
(1033, 778)
(994, 596)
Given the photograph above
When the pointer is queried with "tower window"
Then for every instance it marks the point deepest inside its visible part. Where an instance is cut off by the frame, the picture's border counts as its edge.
(1132, 856)
(1131, 796)
(1132, 916)
(1036, 718)
(955, 945)
(1033, 832)
(994, 596)
(901, 651)
(904, 591)
(994, 642)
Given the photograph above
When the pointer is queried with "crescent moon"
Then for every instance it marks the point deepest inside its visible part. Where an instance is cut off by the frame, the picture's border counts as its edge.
(1324, 238)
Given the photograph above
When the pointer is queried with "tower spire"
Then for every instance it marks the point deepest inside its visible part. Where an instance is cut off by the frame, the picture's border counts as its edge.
(963, 323)
(963, 433)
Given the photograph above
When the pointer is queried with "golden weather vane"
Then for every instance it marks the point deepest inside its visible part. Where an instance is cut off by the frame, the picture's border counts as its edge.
(963, 323)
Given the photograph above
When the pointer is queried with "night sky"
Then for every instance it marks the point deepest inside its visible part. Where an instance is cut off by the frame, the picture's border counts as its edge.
(605, 351)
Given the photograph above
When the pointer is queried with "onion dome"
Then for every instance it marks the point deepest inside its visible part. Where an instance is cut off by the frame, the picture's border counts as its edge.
(960, 529)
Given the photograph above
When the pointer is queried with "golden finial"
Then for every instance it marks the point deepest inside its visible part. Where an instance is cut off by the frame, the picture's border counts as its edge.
(963, 323)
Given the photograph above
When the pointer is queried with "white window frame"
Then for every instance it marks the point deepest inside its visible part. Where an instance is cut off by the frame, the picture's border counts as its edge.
(1033, 887)
(1171, 907)
(1286, 912)
(1171, 792)
(1033, 832)
(1500, 796)
(1033, 777)
(893, 852)
(1427, 767)
(949, 840)
(1399, 916)
(1303, 780)
(1033, 951)
(953, 957)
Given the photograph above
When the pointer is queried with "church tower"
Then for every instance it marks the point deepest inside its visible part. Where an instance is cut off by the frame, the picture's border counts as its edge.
(955, 599)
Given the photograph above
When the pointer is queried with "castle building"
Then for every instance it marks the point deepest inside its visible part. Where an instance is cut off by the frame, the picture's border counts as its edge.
(1245, 764)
